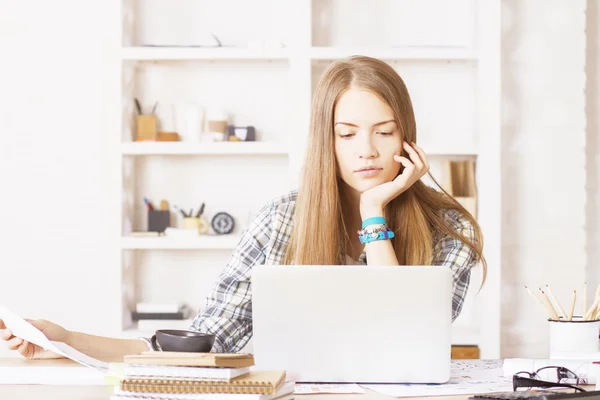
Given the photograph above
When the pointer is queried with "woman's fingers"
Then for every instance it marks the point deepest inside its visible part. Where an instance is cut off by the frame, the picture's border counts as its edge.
(14, 343)
(414, 156)
(5, 334)
(422, 156)
(408, 165)
(25, 349)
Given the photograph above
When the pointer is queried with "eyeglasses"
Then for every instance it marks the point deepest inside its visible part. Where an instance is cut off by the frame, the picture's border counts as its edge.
(524, 379)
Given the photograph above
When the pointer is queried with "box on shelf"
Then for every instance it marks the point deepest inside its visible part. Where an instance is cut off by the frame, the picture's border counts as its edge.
(458, 179)
(146, 128)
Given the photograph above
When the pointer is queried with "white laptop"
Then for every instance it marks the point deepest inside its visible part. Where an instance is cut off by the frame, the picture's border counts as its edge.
(353, 323)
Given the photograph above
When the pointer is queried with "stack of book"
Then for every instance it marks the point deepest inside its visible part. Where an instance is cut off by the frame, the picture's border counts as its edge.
(191, 376)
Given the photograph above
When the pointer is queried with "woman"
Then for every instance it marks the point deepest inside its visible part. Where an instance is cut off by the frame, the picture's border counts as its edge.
(361, 202)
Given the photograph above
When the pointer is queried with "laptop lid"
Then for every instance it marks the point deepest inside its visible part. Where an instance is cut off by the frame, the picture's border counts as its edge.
(353, 323)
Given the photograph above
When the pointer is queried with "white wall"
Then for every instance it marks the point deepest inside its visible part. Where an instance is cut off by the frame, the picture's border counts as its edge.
(593, 142)
(544, 193)
(58, 81)
(59, 78)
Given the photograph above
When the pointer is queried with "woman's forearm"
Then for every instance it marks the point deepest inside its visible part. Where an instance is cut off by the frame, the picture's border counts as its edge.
(105, 348)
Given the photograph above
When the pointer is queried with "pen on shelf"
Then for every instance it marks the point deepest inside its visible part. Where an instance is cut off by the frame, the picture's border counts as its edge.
(539, 301)
(148, 204)
(138, 106)
(554, 299)
(546, 300)
(154, 107)
(180, 210)
(191, 212)
(572, 305)
(200, 211)
(164, 205)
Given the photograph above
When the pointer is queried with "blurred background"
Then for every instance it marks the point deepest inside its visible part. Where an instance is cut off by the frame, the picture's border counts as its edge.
(139, 138)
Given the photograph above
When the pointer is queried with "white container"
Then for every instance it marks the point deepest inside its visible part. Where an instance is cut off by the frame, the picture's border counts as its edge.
(575, 336)
(188, 121)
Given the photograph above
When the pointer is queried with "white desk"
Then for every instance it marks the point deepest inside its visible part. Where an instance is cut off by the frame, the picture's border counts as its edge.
(88, 392)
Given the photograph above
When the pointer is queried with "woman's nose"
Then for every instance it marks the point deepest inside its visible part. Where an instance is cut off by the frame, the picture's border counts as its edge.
(366, 147)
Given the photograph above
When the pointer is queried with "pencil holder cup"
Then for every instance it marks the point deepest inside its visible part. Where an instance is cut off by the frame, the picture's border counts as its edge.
(198, 223)
(158, 220)
(146, 128)
(576, 336)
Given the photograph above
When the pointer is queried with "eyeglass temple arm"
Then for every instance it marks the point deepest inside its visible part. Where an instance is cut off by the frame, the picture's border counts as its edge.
(520, 381)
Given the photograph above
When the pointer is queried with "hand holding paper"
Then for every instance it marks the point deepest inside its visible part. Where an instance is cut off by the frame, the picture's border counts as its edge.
(24, 330)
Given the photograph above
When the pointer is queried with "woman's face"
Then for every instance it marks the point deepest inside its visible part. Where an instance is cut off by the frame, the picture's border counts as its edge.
(366, 139)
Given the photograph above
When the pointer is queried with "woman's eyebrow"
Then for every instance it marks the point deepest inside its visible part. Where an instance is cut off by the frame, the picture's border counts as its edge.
(377, 124)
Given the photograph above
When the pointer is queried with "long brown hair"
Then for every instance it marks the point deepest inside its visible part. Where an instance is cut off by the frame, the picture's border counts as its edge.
(415, 216)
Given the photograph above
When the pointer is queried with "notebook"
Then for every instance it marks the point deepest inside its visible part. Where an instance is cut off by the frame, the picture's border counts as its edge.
(170, 371)
(227, 360)
(285, 392)
(255, 382)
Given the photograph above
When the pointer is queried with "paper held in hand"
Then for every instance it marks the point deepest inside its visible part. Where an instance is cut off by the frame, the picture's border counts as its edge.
(24, 330)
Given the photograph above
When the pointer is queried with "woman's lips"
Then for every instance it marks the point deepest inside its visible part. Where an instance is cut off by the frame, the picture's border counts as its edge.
(366, 173)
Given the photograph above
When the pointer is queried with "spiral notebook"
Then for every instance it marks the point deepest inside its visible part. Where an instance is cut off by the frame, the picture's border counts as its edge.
(255, 382)
(285, 392)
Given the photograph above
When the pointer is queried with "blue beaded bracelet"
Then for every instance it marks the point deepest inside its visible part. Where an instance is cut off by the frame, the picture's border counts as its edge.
(376, 236)
(373, 221)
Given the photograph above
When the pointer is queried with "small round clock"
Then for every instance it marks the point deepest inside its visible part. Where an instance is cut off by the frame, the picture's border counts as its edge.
(222, 223)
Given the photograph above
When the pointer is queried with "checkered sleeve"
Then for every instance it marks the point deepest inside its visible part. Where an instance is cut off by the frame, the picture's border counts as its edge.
(228, 311)
(458, 257)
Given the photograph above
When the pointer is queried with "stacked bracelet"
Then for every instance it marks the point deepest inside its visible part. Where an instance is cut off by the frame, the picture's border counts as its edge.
(381, 232)
(373, 221)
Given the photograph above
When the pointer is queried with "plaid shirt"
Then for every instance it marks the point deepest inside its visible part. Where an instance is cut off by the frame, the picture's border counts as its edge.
(228, 311)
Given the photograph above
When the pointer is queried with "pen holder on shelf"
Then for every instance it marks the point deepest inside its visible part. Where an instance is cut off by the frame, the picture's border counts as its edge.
(146, 128)
(158, 220)
(574, 337)
(198, 223)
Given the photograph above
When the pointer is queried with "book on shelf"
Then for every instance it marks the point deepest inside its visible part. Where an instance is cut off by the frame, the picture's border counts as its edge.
(183, 359)
(285, 392)
(254, 382)
(458, 179)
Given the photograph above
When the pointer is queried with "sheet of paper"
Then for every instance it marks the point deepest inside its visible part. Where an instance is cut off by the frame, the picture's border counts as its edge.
(344, 388)
(466, 377)
(24, 330)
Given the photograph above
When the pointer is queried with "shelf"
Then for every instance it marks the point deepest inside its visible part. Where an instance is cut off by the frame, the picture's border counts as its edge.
(215, 148)
(201, 53)
(208, 242)
(399, 53)
(448, 150)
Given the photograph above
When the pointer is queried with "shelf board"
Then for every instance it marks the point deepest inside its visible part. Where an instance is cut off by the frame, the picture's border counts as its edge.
(215, 148)
(395, 53)
(201, 53)
(206, 242)
(449, 150)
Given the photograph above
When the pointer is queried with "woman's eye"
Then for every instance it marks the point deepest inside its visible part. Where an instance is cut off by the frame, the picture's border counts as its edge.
(346, 135)
(385, 133)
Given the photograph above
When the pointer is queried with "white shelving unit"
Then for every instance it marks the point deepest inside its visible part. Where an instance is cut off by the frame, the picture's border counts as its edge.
(449, 56)
(216, 148)
(205, 242)
(396, 54)
(196, 53)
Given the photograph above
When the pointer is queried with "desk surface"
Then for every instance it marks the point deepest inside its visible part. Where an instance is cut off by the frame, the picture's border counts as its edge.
(45, 392)
(90, 392)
